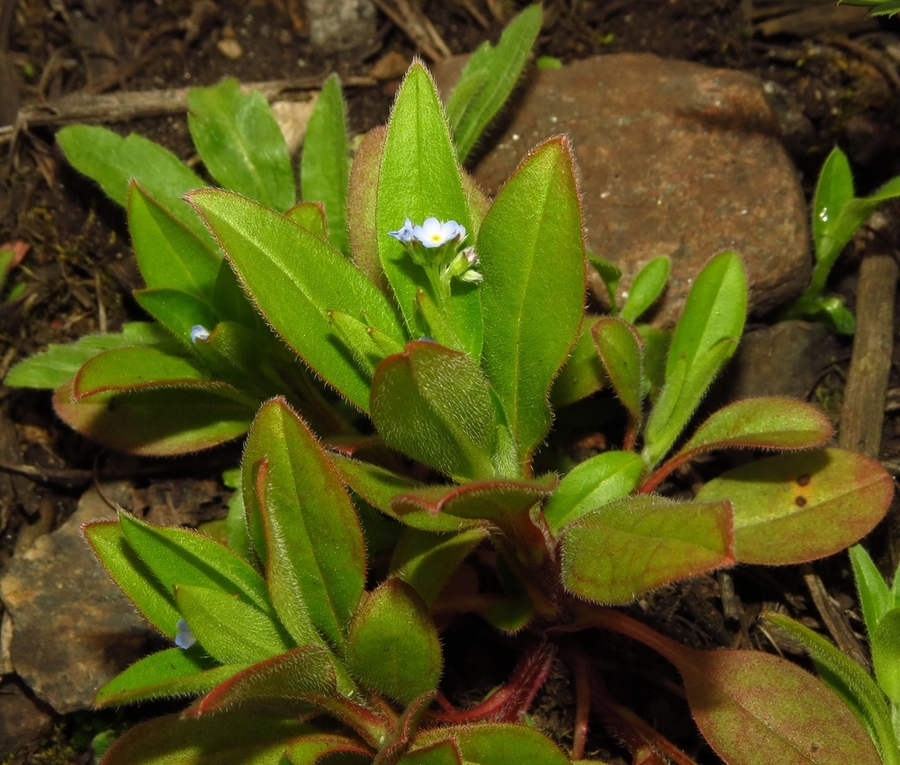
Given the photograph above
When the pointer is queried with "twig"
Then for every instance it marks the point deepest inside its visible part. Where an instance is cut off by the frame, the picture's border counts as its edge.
(875, 59)
(431, 45)
(862, 414)
(837, 627)
(129, 105)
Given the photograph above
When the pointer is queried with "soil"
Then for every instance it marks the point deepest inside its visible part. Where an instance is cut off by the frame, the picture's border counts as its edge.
(833, 79)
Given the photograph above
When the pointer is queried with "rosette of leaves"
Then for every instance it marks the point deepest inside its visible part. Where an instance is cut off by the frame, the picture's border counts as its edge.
(285, 644)
(195, 377)
(457, 375)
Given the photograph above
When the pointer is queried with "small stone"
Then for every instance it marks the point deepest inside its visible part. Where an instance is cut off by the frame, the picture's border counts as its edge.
(22, 718)
(339, 25)
(230, 48)
(786, 359)
(293, 118)
(73, 629)
(391, 66)
(673, 159)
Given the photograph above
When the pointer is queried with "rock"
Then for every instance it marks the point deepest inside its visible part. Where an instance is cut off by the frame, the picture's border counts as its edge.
(338, 25)
(73, 629)
(22, 718)
(786, 359)
(674, 159)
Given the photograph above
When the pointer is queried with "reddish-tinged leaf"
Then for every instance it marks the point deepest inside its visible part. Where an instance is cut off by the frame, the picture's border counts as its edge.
(314, 552)
(635, 544)
(231, 738)
(798, 507)
(504, 504)
(303, 674)
(440, 753)
(361, 200)
(492, 744)
(767, 422)
(311, 749)
(155, 422)
(379, 486)
(755, 708)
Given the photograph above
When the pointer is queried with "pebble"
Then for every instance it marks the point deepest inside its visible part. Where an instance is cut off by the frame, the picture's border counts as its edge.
(339, 25)
(673, 158)
(72, 628)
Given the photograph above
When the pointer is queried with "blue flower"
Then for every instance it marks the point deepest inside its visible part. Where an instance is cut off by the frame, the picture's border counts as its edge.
(199, 333)
(405, 233)
(435, 233)
(185, 638)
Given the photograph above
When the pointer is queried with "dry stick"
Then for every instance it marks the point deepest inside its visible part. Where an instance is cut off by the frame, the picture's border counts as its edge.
(129, 105)
(862, 413)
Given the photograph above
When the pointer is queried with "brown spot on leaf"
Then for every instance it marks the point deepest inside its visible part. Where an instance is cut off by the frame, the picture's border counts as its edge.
(803, 480)
(800, 501)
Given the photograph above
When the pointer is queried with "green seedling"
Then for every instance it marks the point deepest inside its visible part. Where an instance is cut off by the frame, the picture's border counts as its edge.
(875, 700)
(836, 216)
(879, 7)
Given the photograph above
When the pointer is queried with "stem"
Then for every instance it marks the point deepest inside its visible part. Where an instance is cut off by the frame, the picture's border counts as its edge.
(664, 471)
(582, 706)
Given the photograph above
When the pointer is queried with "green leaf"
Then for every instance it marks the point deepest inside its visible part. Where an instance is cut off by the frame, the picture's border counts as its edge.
(172, 673)
(312, 749)
(127, 369)
(230, 630)
(393, 646)
(885, 644)
(619, 347)
(439, 753)
(705, 338)
(235, 737)
(179, 556)
(797, 507)
(135, 579)
(426, 561)
(505, 505)
(314, 553)
(310, 215)
(362, 197)
(849, 680)
(368, 345)
(635, 544)
(113, 162)
(646, 288)
(302, 674)
(767, 422)
(241, 144)
(296, 279)
(491, 744)
(833, 190)
(156, 422)
(324, 165)
(420, 178)
(169, 254)
(829, 310)
(874, 595)
(488, 79)
(59, 363)
(532, 257)
(379, 486)
(593, 483)
(177, 311)
(610, 274)
(582, 374)
(434, 405)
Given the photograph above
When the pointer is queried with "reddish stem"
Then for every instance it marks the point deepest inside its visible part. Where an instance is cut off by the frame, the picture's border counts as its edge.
(582, 705)
(664, 471)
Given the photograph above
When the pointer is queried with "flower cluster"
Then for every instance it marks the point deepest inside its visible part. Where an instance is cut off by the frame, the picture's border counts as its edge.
(444, 237)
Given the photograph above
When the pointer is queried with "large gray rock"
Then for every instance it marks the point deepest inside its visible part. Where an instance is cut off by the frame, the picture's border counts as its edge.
(73, 629)
(674, 159)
